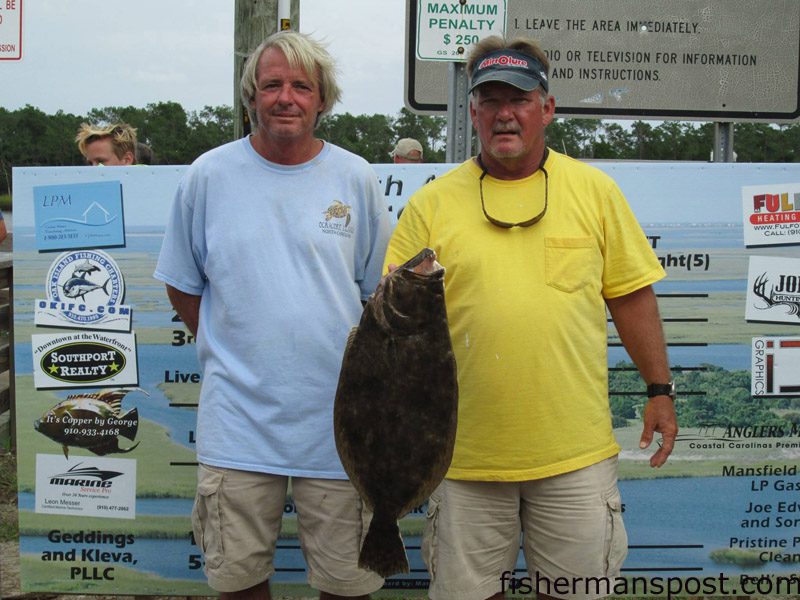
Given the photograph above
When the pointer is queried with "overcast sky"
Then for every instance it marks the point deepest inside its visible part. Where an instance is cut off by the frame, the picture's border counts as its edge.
(84, 54)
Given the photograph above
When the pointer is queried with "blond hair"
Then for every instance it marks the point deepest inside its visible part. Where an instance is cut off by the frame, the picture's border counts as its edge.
(301, 51)
(122, 136)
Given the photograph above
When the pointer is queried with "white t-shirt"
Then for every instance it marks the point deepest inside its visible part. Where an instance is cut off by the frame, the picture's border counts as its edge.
(282, 257)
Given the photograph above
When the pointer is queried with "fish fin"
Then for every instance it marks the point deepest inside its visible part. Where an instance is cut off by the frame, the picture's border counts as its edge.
(129, 431)
(111, 447)
(383, 550)
(350, 337)
(65, 448)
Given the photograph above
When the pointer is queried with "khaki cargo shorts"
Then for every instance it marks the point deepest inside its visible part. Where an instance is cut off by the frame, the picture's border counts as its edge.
(574, 540)
(236, 520)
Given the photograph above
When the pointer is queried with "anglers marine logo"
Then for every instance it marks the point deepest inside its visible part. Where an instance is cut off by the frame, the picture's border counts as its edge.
(334, 214)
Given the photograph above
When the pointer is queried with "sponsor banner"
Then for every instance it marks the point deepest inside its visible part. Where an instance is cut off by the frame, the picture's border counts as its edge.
(84, 290)
(776, 366)
(773, 290)
(108, 317)
(771, 214)
(79, 215)
(84, 360)
(93, 421)
(729, 490)
(93, 487)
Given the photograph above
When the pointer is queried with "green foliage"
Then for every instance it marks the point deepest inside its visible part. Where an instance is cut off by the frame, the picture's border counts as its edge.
(711, 396)
(29, 137)
(373, 136)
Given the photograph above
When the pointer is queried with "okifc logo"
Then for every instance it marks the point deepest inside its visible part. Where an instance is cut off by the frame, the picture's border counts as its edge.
(85, 279)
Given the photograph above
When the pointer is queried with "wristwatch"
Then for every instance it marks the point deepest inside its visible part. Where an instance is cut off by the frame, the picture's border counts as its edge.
(661, 389)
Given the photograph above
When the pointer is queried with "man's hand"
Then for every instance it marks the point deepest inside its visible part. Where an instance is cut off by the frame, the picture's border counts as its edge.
(659, 416)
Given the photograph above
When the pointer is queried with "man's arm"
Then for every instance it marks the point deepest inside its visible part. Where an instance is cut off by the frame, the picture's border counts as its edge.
(187, 307)
(639, 326)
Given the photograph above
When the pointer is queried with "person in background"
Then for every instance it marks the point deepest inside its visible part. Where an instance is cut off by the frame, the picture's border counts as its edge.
(537, 246)
(112, 145)
(145, 155)
(407, 150)
(3, 230)
(273, 242)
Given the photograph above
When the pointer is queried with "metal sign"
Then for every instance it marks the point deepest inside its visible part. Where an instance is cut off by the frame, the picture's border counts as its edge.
(720, 60)
(10, 29)
(448, 30)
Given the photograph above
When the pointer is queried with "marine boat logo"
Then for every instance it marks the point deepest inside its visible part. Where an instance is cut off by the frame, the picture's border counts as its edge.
(85, 477)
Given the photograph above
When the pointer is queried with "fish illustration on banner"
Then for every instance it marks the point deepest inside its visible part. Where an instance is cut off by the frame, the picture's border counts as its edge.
(91, 421)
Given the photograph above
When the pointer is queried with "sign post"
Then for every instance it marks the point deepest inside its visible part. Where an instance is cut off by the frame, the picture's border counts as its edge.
(445, 32)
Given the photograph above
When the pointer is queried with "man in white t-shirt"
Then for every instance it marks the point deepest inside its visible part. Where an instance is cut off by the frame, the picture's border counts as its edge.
(273, 243)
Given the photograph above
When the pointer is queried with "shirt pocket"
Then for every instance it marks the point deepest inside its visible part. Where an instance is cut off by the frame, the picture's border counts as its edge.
(570, 262)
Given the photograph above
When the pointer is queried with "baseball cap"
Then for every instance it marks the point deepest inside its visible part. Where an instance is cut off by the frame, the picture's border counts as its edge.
(509, 66)
(405, 146)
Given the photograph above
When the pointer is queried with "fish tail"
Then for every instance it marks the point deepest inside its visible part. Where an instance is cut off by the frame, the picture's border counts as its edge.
(383, 550)
(129, 431)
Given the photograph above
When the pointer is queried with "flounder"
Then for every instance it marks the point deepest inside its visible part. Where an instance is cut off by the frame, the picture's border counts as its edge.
(396, 404)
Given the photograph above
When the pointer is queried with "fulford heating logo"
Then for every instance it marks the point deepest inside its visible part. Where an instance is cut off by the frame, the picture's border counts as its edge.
(776, 208)
(334, 214)
(84, 289)
(771, 214)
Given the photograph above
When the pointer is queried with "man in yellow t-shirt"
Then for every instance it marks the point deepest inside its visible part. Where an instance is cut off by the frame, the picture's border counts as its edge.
(536, 246)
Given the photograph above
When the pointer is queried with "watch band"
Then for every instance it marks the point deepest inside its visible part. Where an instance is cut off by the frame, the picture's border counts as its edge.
(661, 389)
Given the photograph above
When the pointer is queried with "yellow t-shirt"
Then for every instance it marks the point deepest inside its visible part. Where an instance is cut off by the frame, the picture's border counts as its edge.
(526, 310)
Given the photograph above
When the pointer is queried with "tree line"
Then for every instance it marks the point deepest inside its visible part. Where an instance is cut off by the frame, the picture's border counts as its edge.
(30, 137)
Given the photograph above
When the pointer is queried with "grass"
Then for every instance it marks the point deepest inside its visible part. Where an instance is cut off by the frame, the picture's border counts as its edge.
(8, 498)
(5, 202)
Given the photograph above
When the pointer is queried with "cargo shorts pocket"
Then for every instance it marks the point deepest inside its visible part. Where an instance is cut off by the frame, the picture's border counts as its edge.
(206, 521)
(571, 263)
(431, 534)
(616, 547)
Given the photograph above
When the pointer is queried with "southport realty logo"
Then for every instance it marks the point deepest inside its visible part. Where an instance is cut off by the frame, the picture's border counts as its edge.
(85, 290)
(84, 360)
